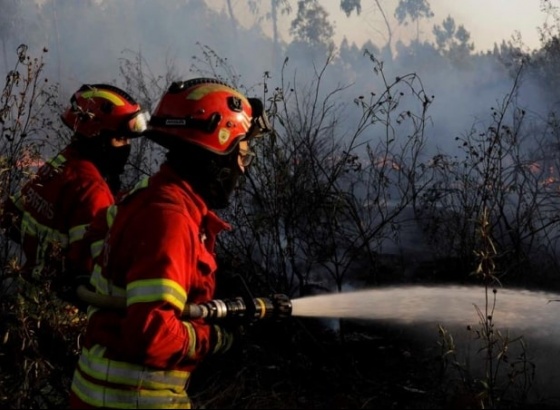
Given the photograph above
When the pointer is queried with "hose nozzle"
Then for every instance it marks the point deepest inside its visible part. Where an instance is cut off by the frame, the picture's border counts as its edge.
(277, 306)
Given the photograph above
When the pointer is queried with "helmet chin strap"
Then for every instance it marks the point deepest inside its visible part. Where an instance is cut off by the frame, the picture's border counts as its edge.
(109, 160)
(222, 185)
(212, 176)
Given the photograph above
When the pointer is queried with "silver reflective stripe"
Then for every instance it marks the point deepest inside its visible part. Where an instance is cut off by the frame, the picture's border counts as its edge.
(32, 227)
(102, 396)
(111, 215)
(151, 290)
(17, 199)
(47, 238)
(96, 248)
(143, 183)
(192, 339)
(93, 363)
(57, 161)
(76, 233)
(224, 340)
(103, 286)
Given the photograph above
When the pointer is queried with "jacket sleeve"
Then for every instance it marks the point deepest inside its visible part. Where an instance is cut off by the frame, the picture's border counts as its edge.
(164, 275)
(93, 197)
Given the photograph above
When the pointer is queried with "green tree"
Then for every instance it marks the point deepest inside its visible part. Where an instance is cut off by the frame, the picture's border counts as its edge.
(453, 42)
(348, 6)
(277, 7)
(415, 10)
(544, 62)
(311, 24)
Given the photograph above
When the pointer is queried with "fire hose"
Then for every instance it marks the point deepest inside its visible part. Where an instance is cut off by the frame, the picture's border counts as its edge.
(249, 309)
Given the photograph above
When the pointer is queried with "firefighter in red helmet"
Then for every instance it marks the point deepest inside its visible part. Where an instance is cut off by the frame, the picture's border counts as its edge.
(49, 214)
(159, 253)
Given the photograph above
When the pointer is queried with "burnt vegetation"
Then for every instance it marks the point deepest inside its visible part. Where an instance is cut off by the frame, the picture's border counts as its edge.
(328, 205)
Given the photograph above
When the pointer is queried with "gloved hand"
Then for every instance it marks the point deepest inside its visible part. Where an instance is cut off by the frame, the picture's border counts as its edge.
(81, 280)
(224, 336)
(68, 293)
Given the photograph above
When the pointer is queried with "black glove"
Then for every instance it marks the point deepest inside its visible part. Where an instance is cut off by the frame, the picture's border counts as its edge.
(224, 336)
(68, 293)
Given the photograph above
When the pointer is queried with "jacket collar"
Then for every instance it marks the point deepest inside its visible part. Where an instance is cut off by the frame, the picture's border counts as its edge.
(205, 217)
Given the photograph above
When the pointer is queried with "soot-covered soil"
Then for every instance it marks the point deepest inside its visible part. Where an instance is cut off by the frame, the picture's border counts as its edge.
(298, 366)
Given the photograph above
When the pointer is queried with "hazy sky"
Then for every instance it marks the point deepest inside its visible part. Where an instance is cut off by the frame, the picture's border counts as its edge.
(488, 21)
(497, 18)
(491, 21)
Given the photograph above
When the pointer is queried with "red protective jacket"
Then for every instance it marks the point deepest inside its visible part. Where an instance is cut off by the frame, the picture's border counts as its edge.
(50, 213)
(159, 254)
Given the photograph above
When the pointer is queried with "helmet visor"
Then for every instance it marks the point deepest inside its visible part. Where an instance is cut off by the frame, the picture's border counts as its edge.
(260, 124)
(138, 123)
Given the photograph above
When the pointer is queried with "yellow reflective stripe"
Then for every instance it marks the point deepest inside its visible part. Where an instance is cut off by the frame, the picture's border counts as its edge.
(91, 310)
(106, 397)
(95, 273)
(17, 199)
(191, 352)
(151, 290)
(29, 225)
(93, 363)
(199, 92)
(108, 95)
(111, 214)
(96, 279)
(57, 161)
(46, 237)
(76, 233)
(143, 183)
(224, 340)
(102, 285)
(96, 248)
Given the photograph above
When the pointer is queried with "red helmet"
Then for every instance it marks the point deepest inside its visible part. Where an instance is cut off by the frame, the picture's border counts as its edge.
(101, 108)
(202, 111)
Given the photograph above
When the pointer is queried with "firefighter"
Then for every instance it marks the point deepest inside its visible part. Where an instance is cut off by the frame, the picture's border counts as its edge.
(49, 214)
(159, 253)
